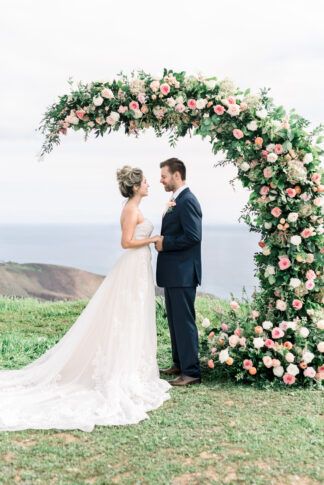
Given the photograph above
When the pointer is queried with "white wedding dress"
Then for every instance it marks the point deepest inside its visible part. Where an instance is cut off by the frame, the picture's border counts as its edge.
(104, 370)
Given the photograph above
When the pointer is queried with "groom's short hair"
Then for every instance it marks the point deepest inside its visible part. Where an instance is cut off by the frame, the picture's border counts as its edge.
(175, 165)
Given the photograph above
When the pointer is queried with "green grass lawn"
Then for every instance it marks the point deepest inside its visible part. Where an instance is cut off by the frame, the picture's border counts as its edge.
(217, 433)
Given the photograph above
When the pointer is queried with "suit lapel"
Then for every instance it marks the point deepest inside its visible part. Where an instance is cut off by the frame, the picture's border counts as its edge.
(185, 191)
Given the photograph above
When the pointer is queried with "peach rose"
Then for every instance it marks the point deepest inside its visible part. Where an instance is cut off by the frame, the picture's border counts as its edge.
(211, 364)
(258, 141)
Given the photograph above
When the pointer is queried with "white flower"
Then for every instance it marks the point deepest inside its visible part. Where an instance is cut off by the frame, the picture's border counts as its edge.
(294, 282)
(270, 147)
(113, 118)
(245, 166)
(268, 225)
(266, 250)
(308, 356)
(252, 126)
(233, 109)
(233, 340)
(179, 100)
(295, 240)
(308, 157)
(320, 324)
(292, 216)
(281, 305)
(72, 119)
(320, 347)
(201, 103)
(171, 102)
(205, 323)
(258, 342)
(210, 83)
(272, 157)
(261, 113)
(292, 369)
(137, 113)
(97, 100)
(290, 357)
(107, 93)
(303, 332)
(270, 270)
(292, 325)
(278, 371)
(223, 355)
(267, 325)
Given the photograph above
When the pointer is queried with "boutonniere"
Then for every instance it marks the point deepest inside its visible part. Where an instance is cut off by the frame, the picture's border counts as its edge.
(170, 205)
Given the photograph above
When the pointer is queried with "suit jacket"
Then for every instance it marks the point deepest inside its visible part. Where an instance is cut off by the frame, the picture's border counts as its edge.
(179, 263)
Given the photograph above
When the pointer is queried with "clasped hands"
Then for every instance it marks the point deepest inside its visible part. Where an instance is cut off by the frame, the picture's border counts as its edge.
(158, 242)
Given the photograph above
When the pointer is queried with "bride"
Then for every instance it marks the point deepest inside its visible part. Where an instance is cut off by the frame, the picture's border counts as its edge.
(104, 370)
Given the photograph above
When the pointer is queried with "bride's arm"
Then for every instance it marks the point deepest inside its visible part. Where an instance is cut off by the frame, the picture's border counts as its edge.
(128, 228)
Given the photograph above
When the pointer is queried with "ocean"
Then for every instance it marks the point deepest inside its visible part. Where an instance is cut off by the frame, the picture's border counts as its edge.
(227, 251)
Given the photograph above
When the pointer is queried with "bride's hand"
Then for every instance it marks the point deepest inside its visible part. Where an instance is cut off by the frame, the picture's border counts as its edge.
(154, 239)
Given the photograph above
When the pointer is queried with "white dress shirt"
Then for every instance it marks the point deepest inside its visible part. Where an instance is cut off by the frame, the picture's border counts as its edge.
(178, 191)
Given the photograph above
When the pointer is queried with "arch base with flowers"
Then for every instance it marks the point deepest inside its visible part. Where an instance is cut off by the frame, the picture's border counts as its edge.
(277, 337)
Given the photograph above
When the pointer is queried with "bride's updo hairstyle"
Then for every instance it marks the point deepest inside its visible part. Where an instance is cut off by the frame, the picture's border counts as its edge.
(129, 178)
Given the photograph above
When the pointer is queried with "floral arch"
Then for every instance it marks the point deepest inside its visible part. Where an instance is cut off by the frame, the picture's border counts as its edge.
(278, 337)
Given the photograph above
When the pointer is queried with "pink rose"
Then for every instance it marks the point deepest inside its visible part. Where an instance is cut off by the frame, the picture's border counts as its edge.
(291, 192)
(237, 332)
(165, 88)
(269, 343)
(122, 109)
(310, 275)
(238, 133)
(247, 364)
(284, 263)
(264, 190)
(310, 372)
(219, 109)
(141, 98)
(267, 360)
(231, 100)
(277, 333)
(310, 284)
(316, 178)
(192, 103)
(133, 105)
(278, 149)
(306, 233)
(275, 362)
(80, 113)
(224, 327)
(180, 108)
(297, 304)
(289, 379)
(276, 212)
(267, 172)
(264, 153)
(234, 305)
(281, 305)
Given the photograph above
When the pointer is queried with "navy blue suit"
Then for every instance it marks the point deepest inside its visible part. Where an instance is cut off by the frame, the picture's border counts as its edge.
(179, 272)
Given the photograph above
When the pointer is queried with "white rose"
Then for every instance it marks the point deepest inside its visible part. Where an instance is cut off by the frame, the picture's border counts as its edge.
(268, 225)
(292, 325)
(97, 100)
(303, 332)
(292, 369)
(252, 126)
(281, 305)
(210, 83)
(179, 100)
(278, 371)
(270, 147)
(245, 166)
(107, 93)
(205, 323)
(308, 357)
(295, 240)
(272, 157)
(294, 282)
(267, 325)
(113, 118)
(266, 251)
(308, 157)
(292, 216)
(155, 86)
(270, 270)
(320, 347)
(72, 119)
(233, 340)
(201, 103)
(171, 102)
(223, 355)
(320, 324)
(261, 113)
(233, 109)
(290, 357)
(258, 342)
(137, 113)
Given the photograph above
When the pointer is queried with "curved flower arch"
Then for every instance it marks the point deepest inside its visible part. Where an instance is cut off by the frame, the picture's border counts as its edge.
(278, 160)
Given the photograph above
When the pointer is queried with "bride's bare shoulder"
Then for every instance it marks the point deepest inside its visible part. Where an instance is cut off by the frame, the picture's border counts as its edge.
(130, 213)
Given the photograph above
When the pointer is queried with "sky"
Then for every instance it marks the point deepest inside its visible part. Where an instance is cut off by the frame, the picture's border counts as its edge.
(275, 44)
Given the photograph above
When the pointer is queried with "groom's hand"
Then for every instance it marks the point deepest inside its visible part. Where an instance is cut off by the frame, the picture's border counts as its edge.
(159, 244)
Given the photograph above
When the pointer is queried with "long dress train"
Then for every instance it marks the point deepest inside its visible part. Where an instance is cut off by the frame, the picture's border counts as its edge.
(104, 370)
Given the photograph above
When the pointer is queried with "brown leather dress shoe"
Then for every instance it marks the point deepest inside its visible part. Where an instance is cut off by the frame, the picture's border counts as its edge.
(173, 370)
(185, 381)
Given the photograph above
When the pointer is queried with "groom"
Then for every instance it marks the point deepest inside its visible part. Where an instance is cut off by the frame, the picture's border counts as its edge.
(179, 271)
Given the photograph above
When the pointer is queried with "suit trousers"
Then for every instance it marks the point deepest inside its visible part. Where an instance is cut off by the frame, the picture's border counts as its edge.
(180, 307)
